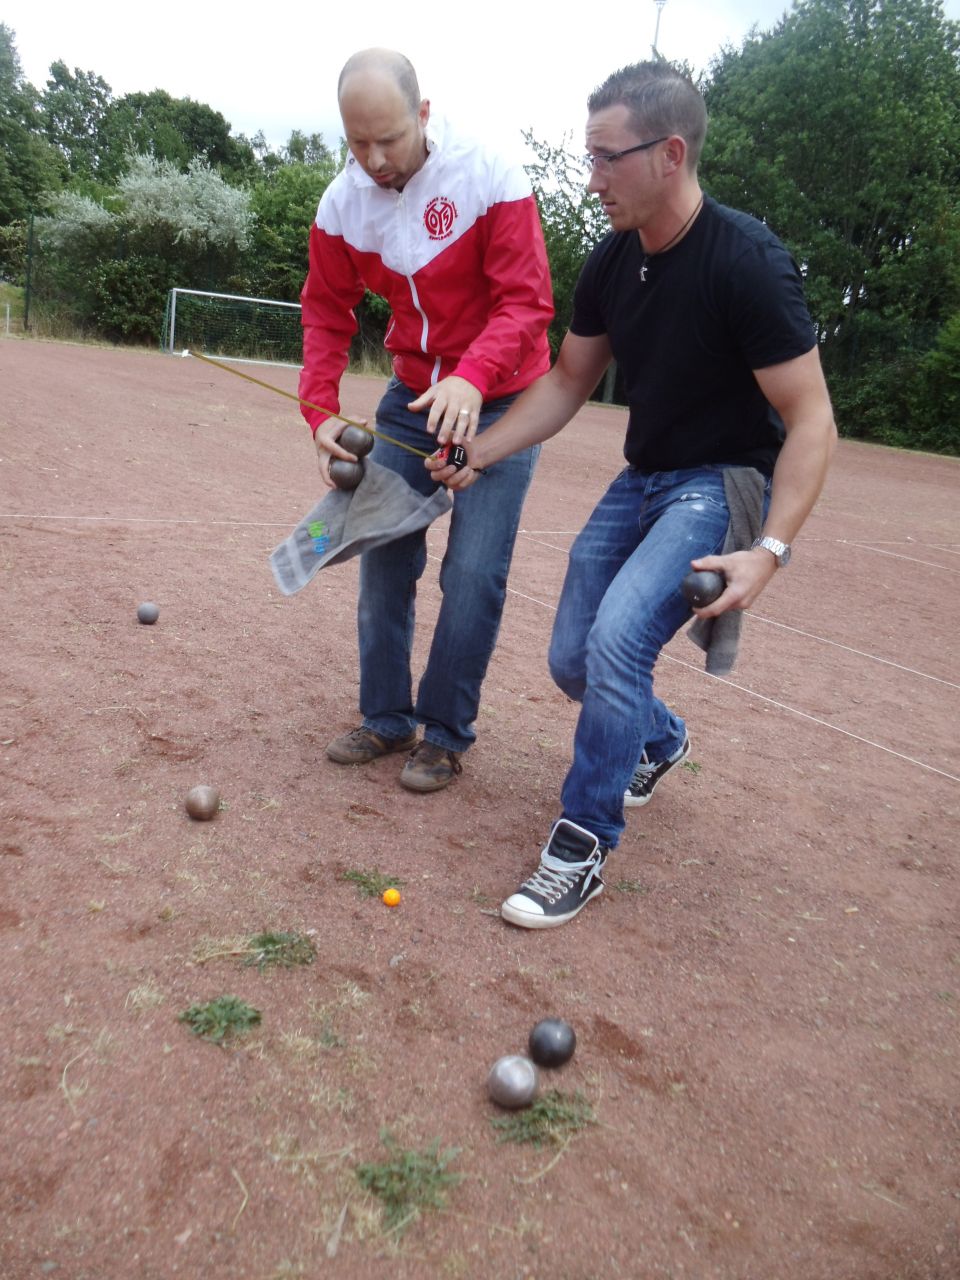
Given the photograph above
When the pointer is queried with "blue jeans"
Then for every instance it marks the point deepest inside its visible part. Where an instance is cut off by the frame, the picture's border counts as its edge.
(621, 603)
(473, 582)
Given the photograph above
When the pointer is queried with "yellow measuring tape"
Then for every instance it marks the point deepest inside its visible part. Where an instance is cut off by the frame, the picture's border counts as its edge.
(268, 386)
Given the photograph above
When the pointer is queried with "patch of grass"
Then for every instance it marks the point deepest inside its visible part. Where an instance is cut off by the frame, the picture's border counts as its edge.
(409, 1182)
(283, 949)
(371, 884)
(262, 949)
(215, 1020)
(554, 1118)
(692, 766)
(630, 886)
(145, 996)
(327, 1037)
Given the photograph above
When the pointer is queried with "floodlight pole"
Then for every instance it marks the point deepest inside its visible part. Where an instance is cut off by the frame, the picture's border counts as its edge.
(656, 33)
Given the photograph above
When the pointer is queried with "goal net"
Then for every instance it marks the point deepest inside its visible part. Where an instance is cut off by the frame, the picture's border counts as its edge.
(257, 330)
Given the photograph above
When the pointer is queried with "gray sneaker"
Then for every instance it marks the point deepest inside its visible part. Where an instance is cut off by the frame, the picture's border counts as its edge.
(360, 746)
(567, 878)
(649, 774)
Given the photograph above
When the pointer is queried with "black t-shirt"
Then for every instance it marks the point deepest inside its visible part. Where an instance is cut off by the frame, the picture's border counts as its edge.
(688, 332)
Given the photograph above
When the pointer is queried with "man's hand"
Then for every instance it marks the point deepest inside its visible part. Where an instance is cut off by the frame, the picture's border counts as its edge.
(454, 405)
(455, 478)
(325, 438)
(747, 573)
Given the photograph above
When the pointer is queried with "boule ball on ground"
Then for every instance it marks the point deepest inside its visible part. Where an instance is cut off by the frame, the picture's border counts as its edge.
(202, 802)
(552, 1042)
(513, 1081)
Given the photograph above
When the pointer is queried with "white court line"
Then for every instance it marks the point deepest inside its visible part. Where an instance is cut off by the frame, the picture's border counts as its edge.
(259, 524)
(931, 564)
(241, 524)
(811, 636)
(552, 545)
(783, 706)
(756, 617)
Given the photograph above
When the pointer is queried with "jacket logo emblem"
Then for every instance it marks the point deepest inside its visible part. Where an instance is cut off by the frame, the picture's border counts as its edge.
(439, 217)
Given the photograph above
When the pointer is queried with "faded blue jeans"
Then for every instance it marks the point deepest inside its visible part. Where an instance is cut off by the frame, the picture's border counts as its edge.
(473, 582)
(621, 603)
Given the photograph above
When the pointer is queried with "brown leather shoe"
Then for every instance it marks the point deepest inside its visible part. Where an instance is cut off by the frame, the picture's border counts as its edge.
(430, 768)
(360, 746)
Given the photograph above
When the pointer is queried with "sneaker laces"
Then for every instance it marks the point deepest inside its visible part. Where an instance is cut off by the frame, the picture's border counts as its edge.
(645, 769)
(555, 876)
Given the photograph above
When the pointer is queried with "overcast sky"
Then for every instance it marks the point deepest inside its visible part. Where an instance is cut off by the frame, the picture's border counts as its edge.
(496, 67)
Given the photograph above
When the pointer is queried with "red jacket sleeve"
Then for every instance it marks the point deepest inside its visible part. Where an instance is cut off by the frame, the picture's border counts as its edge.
(333, 288)
(515, 264)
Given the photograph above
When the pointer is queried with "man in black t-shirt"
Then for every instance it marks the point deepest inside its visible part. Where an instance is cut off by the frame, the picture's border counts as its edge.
(702, 308)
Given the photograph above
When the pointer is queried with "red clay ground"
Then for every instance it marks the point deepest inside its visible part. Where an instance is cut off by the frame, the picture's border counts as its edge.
(766, 998)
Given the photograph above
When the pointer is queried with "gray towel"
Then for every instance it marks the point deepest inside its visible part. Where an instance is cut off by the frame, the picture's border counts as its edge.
(345, 523)
(719, 637)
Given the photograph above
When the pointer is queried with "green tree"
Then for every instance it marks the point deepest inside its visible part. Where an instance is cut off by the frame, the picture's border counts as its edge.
(173, 129)
(309, 149)
(284, 203)
(111, 267)
(572, 221)
(935, 394)
(29, 165)
(841, 128)
(73, 109)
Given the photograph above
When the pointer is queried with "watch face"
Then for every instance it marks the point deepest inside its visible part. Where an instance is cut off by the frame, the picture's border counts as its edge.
(784, 557)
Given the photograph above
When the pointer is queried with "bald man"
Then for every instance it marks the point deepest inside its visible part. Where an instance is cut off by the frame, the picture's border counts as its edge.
(448, 232)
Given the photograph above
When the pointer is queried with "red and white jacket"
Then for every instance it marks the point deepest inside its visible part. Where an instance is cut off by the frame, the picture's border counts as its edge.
(458, 255)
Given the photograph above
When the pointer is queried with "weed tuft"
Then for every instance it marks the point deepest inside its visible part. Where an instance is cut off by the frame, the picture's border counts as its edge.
(554, 1118)
(284, 949)
(630, 886)
(409, 1182)
(227, 1015)
(371, 884)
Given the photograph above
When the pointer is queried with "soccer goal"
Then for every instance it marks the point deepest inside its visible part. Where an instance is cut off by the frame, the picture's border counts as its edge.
(248, 330)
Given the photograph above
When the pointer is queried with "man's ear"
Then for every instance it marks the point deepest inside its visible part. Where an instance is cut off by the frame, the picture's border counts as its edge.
(674, 153)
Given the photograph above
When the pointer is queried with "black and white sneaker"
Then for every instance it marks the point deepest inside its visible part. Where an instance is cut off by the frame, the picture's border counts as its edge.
(567, 878)
(649, 773)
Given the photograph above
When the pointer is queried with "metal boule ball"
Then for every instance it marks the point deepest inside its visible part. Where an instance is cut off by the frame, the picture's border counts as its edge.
(552, 1042)
(702, 586)
(513, 1081)
(346, 475)
(147, 613)
(202, 803)
(356, 440)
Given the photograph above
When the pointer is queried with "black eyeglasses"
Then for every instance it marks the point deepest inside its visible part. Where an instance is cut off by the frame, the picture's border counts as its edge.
(603, 164)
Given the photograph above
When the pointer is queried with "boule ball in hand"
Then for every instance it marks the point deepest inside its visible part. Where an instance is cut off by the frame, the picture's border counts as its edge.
(202, 803)
(356, 440)
(702, 586)
(513, 1081)
(346, 475)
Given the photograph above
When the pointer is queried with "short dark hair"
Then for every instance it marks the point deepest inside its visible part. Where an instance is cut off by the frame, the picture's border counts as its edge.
(390, 63)
(659, 100)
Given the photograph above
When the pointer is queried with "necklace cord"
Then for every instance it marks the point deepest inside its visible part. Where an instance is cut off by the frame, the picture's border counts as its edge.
(674, 238)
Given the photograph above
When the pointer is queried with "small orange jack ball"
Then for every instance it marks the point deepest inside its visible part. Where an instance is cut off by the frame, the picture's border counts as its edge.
(391, 897)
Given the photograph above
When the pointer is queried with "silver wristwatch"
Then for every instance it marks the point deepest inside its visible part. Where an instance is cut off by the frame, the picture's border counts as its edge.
(779, 549)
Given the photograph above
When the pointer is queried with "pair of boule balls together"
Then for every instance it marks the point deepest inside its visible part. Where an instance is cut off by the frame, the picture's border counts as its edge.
(344, 474)
(514, 1080)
